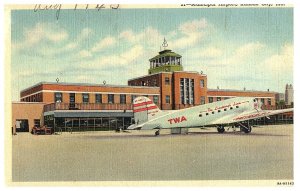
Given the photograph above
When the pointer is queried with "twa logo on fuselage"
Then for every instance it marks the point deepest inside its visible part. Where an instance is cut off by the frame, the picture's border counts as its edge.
(177, 119)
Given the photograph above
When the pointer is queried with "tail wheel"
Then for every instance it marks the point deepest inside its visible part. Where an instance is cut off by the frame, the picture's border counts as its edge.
(220, 129)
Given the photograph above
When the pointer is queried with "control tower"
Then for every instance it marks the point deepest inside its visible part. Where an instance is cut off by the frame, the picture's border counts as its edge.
(165, 61)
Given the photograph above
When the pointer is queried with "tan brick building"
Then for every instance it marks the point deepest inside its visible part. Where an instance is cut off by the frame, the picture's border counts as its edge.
(106, 107)
(80, 106)
(267, 98)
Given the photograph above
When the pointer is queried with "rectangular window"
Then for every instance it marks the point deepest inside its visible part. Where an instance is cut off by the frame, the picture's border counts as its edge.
(154, 82)
(98, 98)
(202, 83)
(202, 100)
(123, 99)
(187, 90)
(269, 101)
(182, 90)
(210, 99)
(132, 98)
(191, 91)
(57, 97)
(37, 123)
(262, 101)
(111, 98)
(167, 99)
(155, 99)
(218, 98)
(85, 98)
(167, 81)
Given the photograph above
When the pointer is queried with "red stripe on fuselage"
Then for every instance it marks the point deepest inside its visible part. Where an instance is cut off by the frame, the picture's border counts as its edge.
(143, 103)
(145, 108)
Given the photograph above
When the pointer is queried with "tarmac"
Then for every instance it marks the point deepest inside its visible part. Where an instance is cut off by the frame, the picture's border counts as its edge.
(264, 154)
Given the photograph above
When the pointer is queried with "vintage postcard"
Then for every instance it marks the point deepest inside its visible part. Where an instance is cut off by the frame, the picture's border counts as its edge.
(151, 95)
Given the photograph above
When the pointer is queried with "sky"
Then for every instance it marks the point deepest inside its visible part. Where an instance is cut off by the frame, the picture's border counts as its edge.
(237, 48)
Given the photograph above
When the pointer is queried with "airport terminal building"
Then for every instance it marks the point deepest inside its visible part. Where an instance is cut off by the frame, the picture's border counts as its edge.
(84, 107)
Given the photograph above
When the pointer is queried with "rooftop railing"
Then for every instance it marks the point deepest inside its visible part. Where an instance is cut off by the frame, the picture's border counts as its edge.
(86, 106)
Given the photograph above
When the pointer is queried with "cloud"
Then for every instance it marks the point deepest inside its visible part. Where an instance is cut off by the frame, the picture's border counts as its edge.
(132, 54)
(207, 52)
(48, 32)
(85, 34)
(194, 26)
(190, 34)
(84, 54)
(124, 59)
(104, 43)
(248, 50)
(281, 64)
(127, 35)
(246, 53)
(149, 37)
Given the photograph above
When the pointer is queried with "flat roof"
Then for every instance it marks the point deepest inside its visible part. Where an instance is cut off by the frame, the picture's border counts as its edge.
(86, 84)
(191, 72)
(25, 102)
(233, 90)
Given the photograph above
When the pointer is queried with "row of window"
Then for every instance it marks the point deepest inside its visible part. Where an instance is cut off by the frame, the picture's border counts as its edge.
(187, 91)
(98, 98)
(219, 111)
(153, 82)
(211, 100)
(33, 98)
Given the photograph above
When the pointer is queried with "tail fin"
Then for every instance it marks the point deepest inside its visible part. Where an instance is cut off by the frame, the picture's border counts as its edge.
(144, 109)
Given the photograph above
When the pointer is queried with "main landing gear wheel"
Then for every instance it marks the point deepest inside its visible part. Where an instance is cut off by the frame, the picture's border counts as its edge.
(220, 129)
(157, 133)
(246, 130)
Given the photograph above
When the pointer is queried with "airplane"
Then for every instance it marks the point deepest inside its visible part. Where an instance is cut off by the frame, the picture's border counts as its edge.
(235, 111)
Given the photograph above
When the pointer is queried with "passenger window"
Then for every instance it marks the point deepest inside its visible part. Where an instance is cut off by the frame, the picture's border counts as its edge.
(212, 112)
(200, 115)
(225, 109)
(206, 113)
(237, 106)
(219, 111)
(231, 108)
